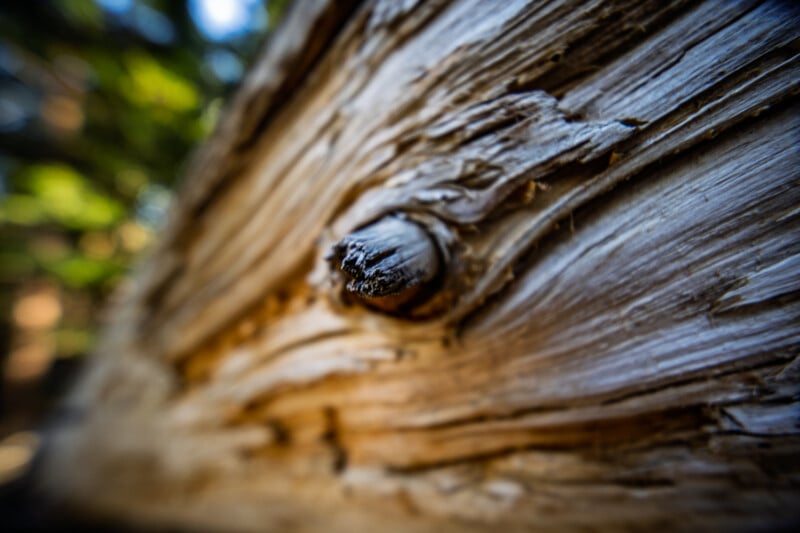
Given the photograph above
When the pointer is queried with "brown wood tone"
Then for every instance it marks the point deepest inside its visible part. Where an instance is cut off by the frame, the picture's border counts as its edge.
(595, 206)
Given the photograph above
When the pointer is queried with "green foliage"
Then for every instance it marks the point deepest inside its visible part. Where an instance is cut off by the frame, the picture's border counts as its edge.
(65, 197)
(78, 271)
(149, 84)
(21, 209)
(100, 103)
(83, 13)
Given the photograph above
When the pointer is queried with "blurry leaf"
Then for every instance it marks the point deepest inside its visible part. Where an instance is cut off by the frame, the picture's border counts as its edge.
(150, 84)
(21, 209)
(84, 13)
(68, 198)
(78, 271)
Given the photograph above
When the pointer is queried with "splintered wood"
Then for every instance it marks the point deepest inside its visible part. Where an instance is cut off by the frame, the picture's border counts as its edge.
(471, 266)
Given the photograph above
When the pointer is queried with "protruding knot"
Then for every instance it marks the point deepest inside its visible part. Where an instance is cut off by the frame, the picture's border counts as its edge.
(388, 263)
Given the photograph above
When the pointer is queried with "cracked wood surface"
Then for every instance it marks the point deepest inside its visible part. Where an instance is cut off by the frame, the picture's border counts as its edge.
(613, 343)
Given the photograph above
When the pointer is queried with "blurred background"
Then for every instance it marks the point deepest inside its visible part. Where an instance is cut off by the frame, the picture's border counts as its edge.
(100, 103)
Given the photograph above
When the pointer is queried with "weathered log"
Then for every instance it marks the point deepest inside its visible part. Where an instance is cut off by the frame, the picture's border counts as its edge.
(591, 265)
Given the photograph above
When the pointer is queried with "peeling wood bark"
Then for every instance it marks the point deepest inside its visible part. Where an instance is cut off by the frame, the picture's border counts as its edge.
(599, 203)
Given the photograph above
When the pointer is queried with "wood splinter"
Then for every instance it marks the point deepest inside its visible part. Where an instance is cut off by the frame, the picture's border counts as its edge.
(388, 264)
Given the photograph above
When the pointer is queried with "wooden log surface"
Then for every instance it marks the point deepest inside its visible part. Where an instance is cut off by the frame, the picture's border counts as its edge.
(607, 330)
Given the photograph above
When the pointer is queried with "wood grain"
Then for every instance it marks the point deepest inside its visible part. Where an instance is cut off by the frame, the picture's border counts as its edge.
(613, 341)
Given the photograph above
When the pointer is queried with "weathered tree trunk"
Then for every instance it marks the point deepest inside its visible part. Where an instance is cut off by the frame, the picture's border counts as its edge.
(564, 294)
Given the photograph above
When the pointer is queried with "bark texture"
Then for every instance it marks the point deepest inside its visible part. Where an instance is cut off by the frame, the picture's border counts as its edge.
(602, 207)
